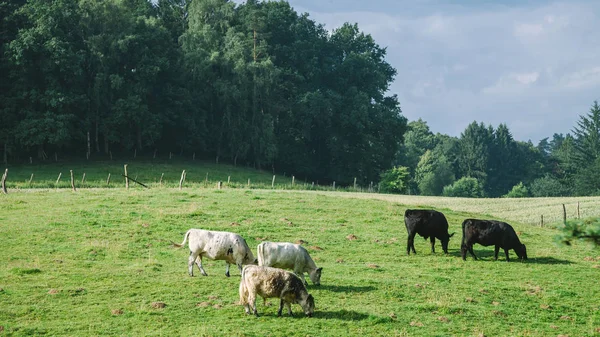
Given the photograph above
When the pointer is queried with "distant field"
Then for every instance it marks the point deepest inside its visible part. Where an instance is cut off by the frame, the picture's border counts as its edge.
(94, 261)
(523, 210)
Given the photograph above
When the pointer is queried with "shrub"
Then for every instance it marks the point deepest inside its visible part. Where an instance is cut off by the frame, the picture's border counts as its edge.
(518, 191)
(395, 180)
(548, 187)
(467, 187)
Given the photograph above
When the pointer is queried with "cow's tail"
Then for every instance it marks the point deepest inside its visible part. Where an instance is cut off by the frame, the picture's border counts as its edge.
(185, 237)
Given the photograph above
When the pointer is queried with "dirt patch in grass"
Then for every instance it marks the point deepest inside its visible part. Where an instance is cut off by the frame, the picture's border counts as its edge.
(53, 291)
(116, 312)
(351, 237)
(315, 248)
(158, 305)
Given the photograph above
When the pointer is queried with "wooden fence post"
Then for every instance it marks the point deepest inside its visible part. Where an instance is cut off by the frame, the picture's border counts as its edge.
(273, 182)
(578, 210)
(58, 179)
(72, 181)
(564, 214)
(219, 184)
(206, 179)
(542, 220)
(108, 179)
(293, 180)
(83, 178)
(228, 179)
(30, 179)
(161, 178)
(3, 182)
(334, 185)
(126, 177)
(248, 182)
(354, 182)
(181, 180)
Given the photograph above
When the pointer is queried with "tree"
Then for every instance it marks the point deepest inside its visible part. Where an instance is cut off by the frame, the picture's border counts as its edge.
(548, 186)
(417, 140)
(466, 187)
(395, 180)
(433, 173)
(587, 136)
(474, 151)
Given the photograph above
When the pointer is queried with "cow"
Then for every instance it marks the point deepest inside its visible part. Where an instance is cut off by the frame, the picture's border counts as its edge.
(287, 255)
(488, 233)
(214, 245)
(428, 224)
(269, 282)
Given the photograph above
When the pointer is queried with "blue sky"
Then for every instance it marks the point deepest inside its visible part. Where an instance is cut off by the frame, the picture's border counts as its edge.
(534, 65)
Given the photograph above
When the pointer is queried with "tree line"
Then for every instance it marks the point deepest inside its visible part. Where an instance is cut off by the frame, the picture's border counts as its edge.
(255, 84)
(486, 161)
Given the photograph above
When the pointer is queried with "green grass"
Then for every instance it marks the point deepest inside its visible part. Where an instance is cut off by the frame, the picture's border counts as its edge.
(94, 261)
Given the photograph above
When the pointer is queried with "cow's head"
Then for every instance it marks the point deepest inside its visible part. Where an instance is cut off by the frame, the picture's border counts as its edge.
(445, 243)
(308, 305)
(315, 276)
(521, 252)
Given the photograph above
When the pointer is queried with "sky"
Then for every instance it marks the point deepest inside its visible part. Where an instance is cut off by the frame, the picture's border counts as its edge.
(533, 65)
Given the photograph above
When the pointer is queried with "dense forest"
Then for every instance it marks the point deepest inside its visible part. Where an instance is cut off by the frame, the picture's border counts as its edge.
(250, 84)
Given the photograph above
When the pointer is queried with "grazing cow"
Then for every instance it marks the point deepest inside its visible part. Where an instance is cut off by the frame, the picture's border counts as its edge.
(428, 224)
(287, 255)
(488, 233)
(270, 282)
(214, 245)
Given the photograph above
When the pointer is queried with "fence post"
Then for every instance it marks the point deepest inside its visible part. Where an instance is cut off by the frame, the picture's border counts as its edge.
(248, 182)
(219, 184)
(578, 210)
(161, 178)
(126, 179)
(293, 180)
(273, 182)
(83, 178)
(542, 220)
(564, 214)
(355, 183)
(30, 179)
(334, 185)
(228, 179)
(72, 181)
(58, 179)
(108, 180)
(4, 181)
(182, 179)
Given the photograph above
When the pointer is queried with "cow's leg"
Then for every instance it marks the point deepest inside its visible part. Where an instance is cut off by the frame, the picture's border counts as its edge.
(506, 253)
(199, 264)
(191, 260)
(496, 250)
(463, 251)
(410, 244)
(280, 307)
(289, 308)
(252, 303)
(432, 240)
(300, 274)
(471, 251)
(227, 269)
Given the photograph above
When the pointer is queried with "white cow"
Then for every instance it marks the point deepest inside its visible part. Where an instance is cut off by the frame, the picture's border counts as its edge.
(270, 282)
(289, 256)
(214, 245)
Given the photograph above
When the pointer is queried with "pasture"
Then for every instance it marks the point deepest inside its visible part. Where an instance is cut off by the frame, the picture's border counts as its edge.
(100, 262)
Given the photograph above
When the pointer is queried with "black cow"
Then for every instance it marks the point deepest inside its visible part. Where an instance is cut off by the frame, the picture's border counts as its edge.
(488, 233)
(428, 224)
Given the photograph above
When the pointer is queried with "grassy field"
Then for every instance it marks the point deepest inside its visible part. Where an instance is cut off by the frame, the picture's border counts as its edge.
(95, 262)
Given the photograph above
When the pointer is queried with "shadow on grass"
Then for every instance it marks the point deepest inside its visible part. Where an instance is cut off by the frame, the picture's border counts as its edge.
(344, 315)
(345, 289)
(548, 260)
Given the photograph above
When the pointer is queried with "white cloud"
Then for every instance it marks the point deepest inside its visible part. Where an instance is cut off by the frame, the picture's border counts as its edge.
(485, 61)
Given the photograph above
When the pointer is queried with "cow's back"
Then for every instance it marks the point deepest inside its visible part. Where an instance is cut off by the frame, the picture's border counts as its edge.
(281, 255)
(425, 222)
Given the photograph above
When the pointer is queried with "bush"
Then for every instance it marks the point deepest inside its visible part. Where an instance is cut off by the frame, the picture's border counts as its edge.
(548, 187)
(518, 191)
(395, 180)
(467, 187)
(588, 230)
